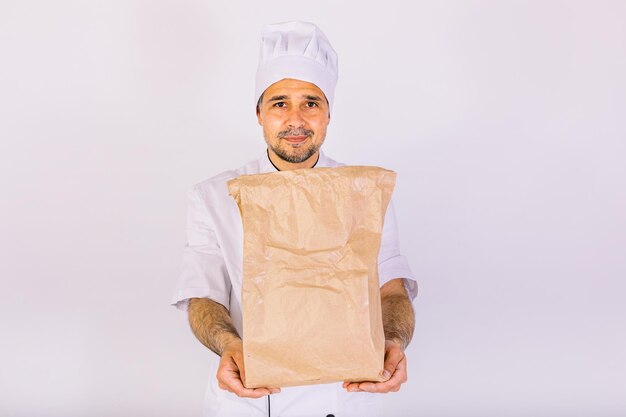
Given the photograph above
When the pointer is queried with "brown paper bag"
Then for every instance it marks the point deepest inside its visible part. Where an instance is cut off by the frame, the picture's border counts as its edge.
(310, 294)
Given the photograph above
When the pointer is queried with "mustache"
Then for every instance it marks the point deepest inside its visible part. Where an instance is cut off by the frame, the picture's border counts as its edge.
(295, 132)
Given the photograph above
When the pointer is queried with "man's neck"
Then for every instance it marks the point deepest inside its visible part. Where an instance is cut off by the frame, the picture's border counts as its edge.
(282, 165)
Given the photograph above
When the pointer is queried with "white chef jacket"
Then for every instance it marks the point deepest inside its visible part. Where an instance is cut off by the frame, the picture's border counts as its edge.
(212, 268)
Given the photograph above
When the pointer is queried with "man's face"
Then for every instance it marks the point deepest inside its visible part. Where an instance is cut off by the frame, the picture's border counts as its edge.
(294, 115)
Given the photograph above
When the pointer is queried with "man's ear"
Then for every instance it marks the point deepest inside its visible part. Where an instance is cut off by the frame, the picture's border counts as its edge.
(258, 116)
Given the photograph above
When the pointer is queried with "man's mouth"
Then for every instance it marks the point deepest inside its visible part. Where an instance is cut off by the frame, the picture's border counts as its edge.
(295, 136)
(295, 139)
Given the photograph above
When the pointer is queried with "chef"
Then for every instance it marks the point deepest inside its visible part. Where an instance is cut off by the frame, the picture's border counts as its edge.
(295, 85)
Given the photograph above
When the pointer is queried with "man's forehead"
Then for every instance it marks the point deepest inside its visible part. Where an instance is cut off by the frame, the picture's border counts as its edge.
(293, 88)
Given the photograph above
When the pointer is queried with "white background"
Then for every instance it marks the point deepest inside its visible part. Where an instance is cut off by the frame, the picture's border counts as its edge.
(505, 123)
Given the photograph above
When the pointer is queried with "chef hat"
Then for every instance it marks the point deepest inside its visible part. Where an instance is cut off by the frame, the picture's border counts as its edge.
(297, 50)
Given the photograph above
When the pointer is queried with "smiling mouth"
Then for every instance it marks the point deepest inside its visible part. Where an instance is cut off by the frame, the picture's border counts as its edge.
(295, 139)
(295, 136)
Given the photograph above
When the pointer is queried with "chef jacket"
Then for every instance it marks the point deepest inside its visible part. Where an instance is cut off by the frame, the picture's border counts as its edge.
(212, 268)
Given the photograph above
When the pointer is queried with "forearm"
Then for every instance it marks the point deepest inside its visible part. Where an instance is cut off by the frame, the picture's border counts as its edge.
(398, 314)
(212, 325)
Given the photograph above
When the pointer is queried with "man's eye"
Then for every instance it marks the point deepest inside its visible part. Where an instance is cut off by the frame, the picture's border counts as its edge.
(311, 104)
(280, 104)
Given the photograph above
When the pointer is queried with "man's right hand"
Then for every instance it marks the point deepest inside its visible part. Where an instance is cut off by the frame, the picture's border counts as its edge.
(230, 374)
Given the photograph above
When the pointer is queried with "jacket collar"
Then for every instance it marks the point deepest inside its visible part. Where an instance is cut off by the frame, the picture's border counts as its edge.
(266, 165)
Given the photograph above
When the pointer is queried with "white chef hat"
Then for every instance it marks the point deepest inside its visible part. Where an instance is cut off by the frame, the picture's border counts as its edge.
(297, 50)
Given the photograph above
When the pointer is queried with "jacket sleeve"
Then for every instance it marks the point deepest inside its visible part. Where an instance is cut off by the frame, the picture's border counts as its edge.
(391, 263)
(203, 273)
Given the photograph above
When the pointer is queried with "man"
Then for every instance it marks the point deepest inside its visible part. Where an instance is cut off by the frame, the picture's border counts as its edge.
(294, 91)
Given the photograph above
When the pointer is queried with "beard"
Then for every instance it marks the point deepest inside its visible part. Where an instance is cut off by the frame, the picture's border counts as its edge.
(294, 153)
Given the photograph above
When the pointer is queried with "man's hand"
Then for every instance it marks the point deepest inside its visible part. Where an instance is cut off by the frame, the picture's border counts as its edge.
(395, 372)
(398, 324)
(212, 325)
(230, 374)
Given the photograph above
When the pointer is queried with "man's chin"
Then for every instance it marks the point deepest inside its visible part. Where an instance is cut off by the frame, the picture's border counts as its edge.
(296, 157)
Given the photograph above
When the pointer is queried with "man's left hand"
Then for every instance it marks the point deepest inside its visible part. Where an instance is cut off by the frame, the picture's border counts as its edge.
(395, 372)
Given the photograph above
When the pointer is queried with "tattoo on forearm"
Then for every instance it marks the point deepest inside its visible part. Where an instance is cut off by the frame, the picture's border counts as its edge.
(398, 318)
(211, 323)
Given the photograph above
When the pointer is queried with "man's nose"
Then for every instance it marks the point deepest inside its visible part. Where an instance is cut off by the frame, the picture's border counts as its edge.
(294, 118)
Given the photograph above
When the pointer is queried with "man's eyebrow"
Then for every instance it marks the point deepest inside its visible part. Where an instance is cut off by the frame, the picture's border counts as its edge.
(309, 97)
(279, 98)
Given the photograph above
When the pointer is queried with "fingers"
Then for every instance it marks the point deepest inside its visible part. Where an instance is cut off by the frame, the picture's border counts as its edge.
(352, 386)
(230, 379)
(238, 359)
(393, 384)
(237, 388)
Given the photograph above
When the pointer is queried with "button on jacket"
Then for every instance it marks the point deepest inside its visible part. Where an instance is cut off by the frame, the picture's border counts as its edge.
(212, 268)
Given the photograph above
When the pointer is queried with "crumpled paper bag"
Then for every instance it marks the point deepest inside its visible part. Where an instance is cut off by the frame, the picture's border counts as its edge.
(310, 293)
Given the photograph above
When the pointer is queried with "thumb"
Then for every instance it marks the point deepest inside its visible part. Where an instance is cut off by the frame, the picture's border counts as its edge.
(238, 359)
(392, 359)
